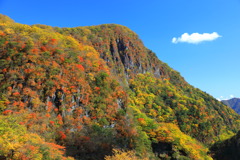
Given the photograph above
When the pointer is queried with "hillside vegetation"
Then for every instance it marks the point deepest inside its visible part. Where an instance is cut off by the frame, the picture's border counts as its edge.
(96, 92)
(227, 149)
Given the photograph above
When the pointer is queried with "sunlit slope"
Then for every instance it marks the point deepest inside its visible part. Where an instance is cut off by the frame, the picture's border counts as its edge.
(197, 113)
(93, 89)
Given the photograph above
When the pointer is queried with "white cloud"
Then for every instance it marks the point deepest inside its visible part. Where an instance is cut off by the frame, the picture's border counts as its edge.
(196, 38)
(225, 98)
(221, 98)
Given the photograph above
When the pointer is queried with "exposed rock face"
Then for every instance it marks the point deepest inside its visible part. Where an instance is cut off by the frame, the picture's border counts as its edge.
(122, 50)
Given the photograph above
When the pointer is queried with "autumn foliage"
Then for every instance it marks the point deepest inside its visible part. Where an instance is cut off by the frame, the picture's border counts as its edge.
(96, 92)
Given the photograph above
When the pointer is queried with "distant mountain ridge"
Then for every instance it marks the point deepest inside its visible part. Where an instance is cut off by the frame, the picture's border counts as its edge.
(234, 103)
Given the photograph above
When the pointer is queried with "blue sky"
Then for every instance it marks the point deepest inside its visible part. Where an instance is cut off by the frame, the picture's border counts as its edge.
(212, 66)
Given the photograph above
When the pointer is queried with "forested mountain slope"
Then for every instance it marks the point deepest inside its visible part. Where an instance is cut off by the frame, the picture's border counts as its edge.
(93, 89)
(123, 51)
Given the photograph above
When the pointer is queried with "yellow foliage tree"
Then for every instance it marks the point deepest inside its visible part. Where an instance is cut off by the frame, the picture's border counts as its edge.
(17, 143)
(123, 155)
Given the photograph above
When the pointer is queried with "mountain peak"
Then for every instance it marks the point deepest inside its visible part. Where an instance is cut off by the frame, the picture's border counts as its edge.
(5, 19)
(234, 103)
